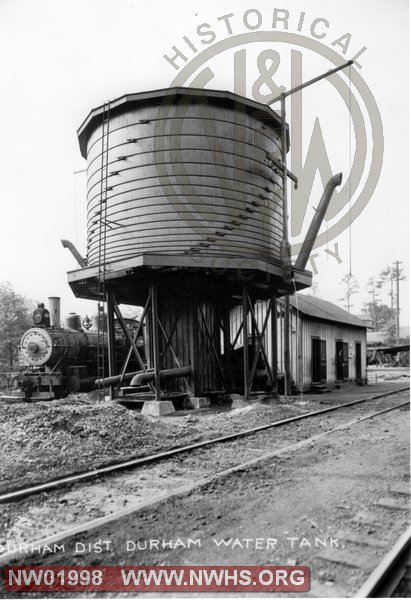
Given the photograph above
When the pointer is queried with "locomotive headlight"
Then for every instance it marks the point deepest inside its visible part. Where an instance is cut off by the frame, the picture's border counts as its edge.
(37, 318)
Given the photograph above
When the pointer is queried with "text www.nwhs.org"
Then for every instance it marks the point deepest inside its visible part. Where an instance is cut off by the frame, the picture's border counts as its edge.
(157, 579)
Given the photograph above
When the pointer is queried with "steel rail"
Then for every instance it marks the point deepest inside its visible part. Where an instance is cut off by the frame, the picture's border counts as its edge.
(20, 493)
(7, 557)
(387, 575)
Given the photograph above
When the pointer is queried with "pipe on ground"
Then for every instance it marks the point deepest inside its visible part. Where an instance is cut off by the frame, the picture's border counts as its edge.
(312, 232)
(143, 376)
(115, 379)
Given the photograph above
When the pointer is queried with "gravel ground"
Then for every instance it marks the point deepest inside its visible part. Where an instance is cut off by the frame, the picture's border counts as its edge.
(313, 492)
(45, 514)
(322, 492)
(44, 440)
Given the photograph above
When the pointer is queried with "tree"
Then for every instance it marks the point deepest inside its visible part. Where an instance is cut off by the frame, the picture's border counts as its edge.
(391, 277)
(351, 287)
(387, 279)
(15, 318)
(383, 318)
(374, 285)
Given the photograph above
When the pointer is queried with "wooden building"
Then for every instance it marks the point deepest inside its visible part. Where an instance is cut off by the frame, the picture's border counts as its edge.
(327, 343)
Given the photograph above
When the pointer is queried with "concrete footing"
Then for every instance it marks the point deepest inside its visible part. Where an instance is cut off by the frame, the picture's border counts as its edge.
(238, 401)
(271, 398)
(195, 402)
(157, 409)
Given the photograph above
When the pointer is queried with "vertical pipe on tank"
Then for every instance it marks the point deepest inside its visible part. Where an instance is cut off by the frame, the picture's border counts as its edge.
(287, 376)
(54, 304)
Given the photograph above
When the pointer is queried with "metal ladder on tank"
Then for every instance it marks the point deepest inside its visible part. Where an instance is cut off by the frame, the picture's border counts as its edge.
(102, 213)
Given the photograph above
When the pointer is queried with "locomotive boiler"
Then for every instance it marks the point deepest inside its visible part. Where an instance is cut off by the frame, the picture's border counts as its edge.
(56, 361)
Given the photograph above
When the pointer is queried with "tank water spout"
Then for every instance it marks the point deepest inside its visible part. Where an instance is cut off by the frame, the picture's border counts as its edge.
(81, 261)
(312, 232)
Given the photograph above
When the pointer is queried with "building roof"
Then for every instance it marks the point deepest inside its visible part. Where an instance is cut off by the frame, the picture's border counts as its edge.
(324, 310)
(367, 318)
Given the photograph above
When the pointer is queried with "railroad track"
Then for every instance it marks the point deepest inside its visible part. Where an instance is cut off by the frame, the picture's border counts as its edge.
(358, 569)
(186, 488)
(390, 572)
(19, 493)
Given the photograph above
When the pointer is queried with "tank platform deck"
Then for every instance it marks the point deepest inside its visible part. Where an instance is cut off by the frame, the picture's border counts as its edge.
(128, 277)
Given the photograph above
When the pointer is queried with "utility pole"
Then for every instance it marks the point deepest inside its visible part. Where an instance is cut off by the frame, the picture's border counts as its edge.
(374, 305)
(393, 315)
(397, 276)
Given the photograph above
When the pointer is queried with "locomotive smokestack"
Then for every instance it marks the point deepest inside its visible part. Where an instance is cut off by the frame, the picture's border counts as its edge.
(54, 304)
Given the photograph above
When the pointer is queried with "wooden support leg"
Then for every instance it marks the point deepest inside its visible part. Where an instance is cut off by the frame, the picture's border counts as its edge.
(111, 340)
(245, 344)
(287, 341)
(227, 347)
(274, 366)
(196, 383)
(155, 341)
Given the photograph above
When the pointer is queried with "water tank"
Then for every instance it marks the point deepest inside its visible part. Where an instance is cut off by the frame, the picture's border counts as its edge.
(182, 171)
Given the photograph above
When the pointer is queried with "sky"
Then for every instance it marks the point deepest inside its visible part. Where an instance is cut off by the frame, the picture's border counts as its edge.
(60, 58)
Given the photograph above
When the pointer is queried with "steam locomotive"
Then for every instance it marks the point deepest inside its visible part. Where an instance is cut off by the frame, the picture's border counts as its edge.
(56, 361)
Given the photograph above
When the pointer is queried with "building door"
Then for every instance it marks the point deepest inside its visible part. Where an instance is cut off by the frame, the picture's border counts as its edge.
(316, 360)
(323, 360)
(319, 360)
(341, 360)
(358, 366)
